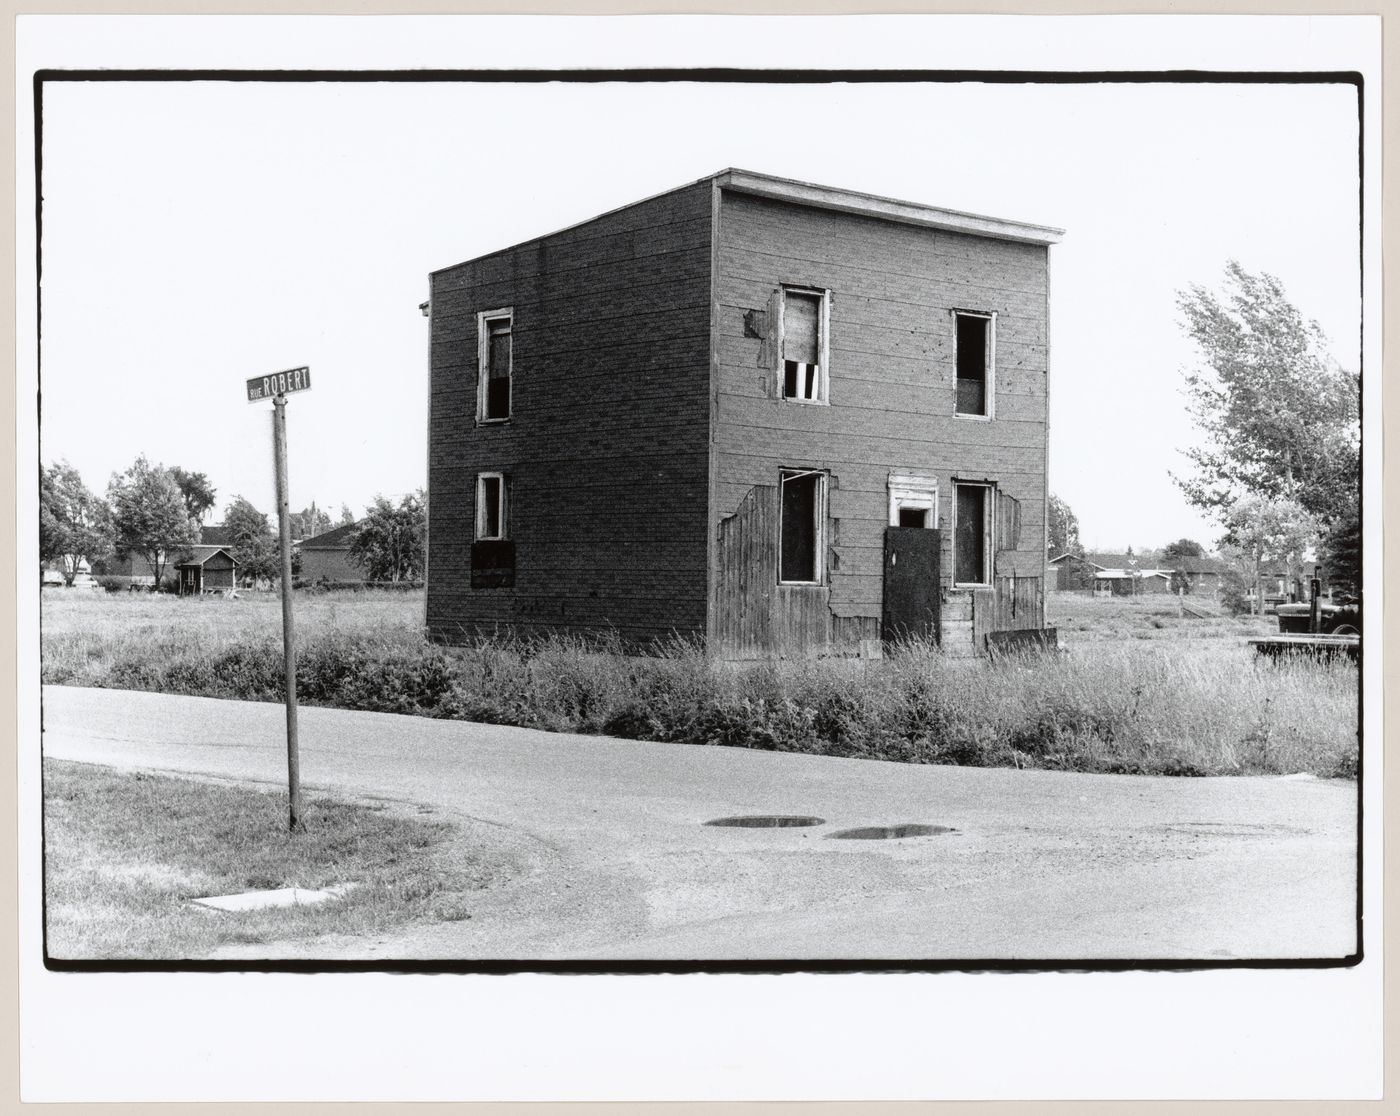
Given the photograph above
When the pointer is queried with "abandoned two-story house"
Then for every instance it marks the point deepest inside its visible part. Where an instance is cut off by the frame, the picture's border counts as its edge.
(783, 418)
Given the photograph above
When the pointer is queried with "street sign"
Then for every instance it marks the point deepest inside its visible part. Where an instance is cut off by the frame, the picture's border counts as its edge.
(279, 383)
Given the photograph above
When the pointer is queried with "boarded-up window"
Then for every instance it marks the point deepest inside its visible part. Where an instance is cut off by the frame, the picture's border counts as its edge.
(491, 506)
(803, 514)
(495, 354)
(1008, 522)
(802, 346)
(974, 361)
(970, 534)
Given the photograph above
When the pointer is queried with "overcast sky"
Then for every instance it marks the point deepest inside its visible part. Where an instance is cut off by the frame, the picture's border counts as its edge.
(199, 233)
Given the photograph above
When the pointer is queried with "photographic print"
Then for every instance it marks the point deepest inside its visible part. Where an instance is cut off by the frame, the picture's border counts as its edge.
(664, 519)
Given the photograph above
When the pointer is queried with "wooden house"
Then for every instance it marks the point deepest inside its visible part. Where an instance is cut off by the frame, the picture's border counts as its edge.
(783, 418)
(206, 569)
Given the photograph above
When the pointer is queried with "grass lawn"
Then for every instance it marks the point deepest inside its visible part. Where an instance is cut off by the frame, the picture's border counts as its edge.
(1082, 618)
(125, 851)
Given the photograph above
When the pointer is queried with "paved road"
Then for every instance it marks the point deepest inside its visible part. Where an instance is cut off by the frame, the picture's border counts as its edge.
(603, 853)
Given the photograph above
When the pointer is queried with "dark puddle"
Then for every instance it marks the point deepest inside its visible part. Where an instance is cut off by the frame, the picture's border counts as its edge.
(889, 832)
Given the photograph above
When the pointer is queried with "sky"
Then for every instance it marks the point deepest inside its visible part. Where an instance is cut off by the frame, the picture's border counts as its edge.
(196, 234)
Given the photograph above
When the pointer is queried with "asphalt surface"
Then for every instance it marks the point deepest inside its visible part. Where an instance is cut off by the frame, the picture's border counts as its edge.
(602, 854)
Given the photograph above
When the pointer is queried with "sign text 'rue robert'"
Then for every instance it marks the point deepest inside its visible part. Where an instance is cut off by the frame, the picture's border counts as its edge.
(279, 383)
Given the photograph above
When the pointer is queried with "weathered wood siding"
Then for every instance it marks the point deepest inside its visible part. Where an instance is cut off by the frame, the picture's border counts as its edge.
(606, 447)
(892, 378)
(755, 616)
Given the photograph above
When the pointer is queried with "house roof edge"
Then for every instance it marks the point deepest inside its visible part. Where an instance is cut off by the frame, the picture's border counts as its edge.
(888, 209)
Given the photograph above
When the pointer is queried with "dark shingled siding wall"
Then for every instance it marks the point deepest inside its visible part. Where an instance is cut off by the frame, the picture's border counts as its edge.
(892, 391)
(607, 447)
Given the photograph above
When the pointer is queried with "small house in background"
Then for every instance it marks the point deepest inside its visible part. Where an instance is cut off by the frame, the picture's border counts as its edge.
(785, 419)
(134, 570)
(1204, 576)
(326, 557)
(1118, 575)
(206, 569)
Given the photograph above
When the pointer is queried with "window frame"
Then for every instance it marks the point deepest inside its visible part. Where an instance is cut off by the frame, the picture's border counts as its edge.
(483, 363)
(909, 490)
(823, 296)
(820, 514)
(502, 507)
(988, 529)
(989, 364)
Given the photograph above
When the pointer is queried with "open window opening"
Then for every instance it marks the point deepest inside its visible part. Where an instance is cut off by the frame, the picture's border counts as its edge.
(802, 527)
(913, 501)
(976, 358)
(494, 358)
(803, 362)
(972, 521)
(492, 498)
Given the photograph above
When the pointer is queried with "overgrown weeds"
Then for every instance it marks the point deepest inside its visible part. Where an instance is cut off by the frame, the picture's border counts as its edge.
(1180, 707)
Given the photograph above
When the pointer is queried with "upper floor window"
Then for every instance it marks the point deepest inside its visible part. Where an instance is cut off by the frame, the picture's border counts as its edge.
(976, 362)
(494, 363)
(802, 526)
(802, 344)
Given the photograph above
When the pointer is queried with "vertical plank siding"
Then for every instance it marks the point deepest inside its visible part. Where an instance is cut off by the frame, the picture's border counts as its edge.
(607, 444)
(892, 390)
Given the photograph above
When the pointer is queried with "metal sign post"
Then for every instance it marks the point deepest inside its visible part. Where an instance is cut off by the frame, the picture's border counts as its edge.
(276, 387)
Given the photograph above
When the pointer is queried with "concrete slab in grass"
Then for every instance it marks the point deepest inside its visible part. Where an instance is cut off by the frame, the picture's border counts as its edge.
(280, 897)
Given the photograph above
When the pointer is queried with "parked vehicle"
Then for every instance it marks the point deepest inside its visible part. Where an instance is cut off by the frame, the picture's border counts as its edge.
(1334, 618)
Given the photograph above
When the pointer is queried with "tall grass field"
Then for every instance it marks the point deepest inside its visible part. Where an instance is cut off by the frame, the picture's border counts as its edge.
(1140, 688)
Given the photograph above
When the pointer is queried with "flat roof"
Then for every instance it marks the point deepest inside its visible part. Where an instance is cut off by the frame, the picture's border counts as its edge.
(828, 197)
(885, 209)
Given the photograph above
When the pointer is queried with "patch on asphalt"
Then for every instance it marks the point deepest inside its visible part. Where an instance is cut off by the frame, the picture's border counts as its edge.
(767, 821)
(1232, 829)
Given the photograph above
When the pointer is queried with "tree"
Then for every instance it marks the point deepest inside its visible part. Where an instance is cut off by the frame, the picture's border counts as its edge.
(196, 491)
(149, 515)
(1263, 531)
(1279, 417)
(309, 522)
(1182, 582)
(1064, 528)
(254, 546)
(75, 526)
(347, 517)
(1340, 553)
(389, 542)
(1183, 548)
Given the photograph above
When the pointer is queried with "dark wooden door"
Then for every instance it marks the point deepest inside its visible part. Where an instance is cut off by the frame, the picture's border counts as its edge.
(912, 597)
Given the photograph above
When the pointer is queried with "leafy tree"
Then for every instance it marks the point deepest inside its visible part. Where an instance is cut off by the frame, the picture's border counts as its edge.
(1064, 528)
(1340, 554)
(347, 517)
(50, 529)
(309, 522)
(1280, 418)
(1183, 548)
(75, 526)
(1261, 532)
(389, 542)
(149, 515)
(196, 491)
(255, 547)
